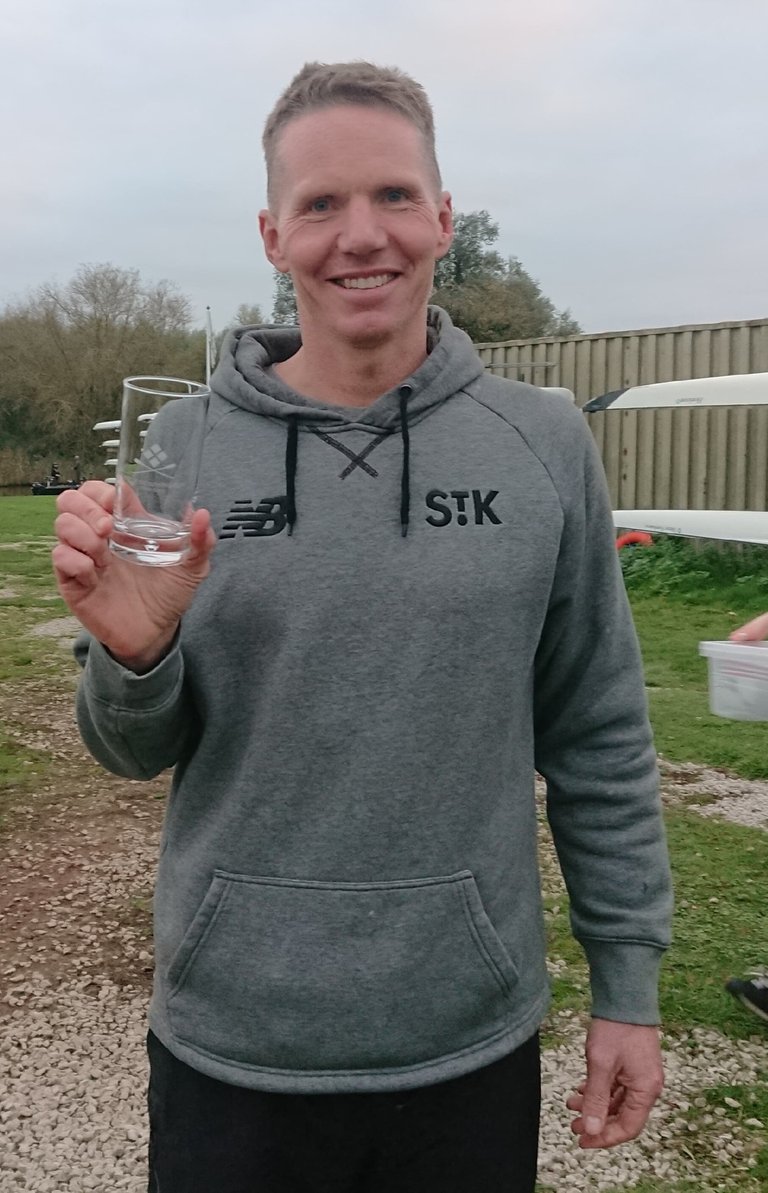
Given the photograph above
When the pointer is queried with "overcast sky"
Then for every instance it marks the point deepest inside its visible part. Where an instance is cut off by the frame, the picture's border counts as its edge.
(621, 145)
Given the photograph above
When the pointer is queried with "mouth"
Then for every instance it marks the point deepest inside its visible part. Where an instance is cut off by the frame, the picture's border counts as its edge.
(374, 282)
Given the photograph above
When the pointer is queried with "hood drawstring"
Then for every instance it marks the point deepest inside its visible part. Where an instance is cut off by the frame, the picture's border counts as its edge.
(291, 462)
(405, 392)
(291, 456)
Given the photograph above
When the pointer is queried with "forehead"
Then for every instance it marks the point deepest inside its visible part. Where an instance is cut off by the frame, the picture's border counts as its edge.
(346, 141)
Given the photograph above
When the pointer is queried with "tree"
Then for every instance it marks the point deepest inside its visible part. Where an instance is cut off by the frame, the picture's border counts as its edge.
(284, 309)
(489, 297)
(66, 349)
(248, 315)
(468, 260)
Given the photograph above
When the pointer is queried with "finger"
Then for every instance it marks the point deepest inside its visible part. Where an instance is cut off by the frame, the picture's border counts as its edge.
(74, 571)
(95, 492)
(91, 512)
(596, 1100)
(576, 1102)
(633, 1110)
(753, 631)
(202, 540)
(575, 1099)
(73, 532)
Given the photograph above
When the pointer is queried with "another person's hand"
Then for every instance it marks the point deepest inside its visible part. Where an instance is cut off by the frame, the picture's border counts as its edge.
(754, 630)
(133, 610)
(624, 1079)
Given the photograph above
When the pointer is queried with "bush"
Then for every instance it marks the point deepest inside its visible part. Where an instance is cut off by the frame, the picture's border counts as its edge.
(684, 569)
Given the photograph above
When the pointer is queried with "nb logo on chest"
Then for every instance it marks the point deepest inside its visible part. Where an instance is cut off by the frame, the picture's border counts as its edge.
(463, 506)
(255, 521)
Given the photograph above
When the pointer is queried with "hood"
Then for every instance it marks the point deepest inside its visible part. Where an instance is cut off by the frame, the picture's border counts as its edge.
(243, 377)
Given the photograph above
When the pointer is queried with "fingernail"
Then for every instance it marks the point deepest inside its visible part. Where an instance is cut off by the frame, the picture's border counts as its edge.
(592, 1126)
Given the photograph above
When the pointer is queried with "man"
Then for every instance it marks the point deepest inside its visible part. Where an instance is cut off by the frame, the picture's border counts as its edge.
(413, 600)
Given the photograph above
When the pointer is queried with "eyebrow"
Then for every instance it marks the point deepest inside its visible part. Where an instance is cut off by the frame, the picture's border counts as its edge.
(307, 194)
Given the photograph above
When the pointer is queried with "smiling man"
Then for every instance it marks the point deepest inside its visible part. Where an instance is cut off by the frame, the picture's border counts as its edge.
(358, 219)
(411, 602)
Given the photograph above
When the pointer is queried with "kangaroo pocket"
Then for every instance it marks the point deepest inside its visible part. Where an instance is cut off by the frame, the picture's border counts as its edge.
(318, 976)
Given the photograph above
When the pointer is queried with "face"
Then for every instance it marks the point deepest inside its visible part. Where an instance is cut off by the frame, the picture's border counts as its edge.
(358, 223)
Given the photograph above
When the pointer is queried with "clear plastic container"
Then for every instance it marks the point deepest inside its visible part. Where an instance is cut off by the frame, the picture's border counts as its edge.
(738, 679)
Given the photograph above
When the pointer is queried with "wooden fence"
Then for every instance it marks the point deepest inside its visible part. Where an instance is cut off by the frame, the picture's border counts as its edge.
(660, 459)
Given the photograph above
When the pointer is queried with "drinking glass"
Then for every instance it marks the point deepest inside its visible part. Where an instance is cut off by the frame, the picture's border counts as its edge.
(162, 428)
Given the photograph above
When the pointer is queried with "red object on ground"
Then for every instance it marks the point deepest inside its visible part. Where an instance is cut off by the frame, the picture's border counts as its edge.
(634, 538)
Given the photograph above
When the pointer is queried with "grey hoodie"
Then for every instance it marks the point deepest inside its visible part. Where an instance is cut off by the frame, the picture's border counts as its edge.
(410, 608)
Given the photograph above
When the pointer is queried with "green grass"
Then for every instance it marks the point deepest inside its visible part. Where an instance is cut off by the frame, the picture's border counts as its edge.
(16, 763)
(20, 769)
(720, 924)
(753, 1104)
(676, 676)
(719, 929)
(681, 597)
(26, 538)
(26, 517)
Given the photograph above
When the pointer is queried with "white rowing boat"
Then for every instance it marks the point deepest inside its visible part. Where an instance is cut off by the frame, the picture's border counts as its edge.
(742, 389)
(730, 526)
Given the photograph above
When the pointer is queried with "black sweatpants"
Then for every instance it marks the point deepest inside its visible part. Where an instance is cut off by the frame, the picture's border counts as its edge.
(474, 1134)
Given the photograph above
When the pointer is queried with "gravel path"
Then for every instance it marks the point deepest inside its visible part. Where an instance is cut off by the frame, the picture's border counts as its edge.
(744, 801)
(75, 968)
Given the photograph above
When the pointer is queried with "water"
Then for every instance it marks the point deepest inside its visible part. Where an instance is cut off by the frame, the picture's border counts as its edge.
(158, 542)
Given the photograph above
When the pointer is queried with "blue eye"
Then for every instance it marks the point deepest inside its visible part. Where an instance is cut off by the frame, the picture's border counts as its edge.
(320, 205)
(395, 194)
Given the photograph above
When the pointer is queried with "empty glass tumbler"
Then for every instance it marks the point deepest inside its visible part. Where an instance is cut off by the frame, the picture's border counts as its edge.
(162, 429)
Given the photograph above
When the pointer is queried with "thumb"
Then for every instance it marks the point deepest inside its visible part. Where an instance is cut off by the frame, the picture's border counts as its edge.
(597, 1100)
(202, 540)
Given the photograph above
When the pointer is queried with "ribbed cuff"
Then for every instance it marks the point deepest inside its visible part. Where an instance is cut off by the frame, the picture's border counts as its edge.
(114, 684)
(625, 980)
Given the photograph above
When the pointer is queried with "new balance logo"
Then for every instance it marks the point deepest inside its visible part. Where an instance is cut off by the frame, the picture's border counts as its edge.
(266, 518)
(461, 504)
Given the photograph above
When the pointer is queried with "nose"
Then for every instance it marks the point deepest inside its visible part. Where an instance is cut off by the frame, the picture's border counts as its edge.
(362, 230)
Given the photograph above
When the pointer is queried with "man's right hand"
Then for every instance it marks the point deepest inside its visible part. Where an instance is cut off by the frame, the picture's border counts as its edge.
(133, 610)
(754, 631)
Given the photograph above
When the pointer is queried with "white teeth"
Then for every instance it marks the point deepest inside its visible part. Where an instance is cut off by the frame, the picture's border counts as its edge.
(365, 283)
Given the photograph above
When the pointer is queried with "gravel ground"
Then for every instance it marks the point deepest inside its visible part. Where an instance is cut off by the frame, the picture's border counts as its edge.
(73, 1111)
(742, 800)
(75, 968)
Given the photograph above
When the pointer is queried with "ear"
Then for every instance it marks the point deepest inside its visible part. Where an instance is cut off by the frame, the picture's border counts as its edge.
(445, 220)
(271, 237)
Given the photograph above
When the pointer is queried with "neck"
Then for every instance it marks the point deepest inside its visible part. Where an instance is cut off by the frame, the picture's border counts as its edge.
(349, 374)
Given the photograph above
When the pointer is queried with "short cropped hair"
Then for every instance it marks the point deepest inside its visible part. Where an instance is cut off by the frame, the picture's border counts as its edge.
(324, 85)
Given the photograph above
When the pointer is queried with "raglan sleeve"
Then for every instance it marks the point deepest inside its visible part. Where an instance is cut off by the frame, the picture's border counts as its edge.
(134, 725)
(594, 747)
